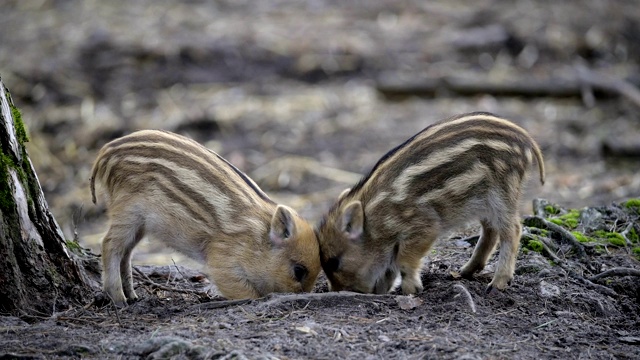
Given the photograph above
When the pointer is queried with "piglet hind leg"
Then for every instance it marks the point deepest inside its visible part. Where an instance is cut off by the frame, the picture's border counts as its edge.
(125, 265)
(116, 252)
(509, 244)
(482, 252)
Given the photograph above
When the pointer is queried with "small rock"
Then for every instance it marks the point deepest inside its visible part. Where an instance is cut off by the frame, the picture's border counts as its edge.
(408, 302)
(591, 219)
(384, 338)
(548, 290)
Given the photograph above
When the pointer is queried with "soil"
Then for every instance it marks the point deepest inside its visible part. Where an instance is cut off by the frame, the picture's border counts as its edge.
(551, 310)
(291, 93)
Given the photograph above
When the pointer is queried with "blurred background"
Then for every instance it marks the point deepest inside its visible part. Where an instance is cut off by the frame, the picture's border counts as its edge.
(305, 96)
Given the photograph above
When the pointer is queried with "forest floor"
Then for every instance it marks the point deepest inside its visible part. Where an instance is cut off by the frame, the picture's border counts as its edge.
(305, 97)
(571, 298)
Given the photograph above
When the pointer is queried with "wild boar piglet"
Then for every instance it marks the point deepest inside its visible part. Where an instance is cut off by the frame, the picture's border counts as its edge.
(172, 189)
(469, 167)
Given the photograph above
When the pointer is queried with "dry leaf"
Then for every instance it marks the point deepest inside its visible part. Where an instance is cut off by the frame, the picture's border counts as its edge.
(408, 302)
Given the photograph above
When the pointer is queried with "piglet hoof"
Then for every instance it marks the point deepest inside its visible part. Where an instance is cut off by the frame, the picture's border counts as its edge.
(469, 269)
(492, 291)
(411, 287)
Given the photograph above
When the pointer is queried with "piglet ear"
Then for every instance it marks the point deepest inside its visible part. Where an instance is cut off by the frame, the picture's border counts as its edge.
(352, 221)
(343, 193)
(283, 227)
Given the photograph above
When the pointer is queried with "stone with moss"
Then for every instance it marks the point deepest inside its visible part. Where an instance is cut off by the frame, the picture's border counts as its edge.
(636, 251)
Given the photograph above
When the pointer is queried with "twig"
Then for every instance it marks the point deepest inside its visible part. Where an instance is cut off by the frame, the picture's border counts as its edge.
(463, 290)
(626, 232)
(178, 269)
(115, 307)
(619, 271)
(539, 222)
(145, 279)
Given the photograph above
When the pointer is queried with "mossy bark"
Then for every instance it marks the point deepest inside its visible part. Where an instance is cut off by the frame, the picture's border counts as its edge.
(38, 273)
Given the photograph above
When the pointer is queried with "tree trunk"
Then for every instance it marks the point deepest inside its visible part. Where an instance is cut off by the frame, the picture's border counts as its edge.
(40, 272)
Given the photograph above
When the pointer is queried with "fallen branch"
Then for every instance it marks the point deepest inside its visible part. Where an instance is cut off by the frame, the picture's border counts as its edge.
(609, 83)
(393, 85)
(619, 271)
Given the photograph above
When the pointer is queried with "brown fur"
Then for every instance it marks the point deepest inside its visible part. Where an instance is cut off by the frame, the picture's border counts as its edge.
(470, 167)
(173, 189)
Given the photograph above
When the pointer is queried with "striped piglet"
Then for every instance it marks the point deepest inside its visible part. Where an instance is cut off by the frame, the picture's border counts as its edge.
(469, 167)
(175, 190)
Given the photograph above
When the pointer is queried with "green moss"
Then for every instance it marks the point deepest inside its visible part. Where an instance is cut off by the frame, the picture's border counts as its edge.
(636, 251)
(6, 196)
(633, 203)
(53, 276)
(74, 246)
(613, 238)
(633, 235)
(535, 245)
(599, 249)
(569, 220)
(21, 130)
(551, 210)
(581, 237)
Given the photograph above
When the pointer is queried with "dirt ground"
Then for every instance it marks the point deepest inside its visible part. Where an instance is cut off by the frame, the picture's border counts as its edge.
(293, 93)
(553, 309)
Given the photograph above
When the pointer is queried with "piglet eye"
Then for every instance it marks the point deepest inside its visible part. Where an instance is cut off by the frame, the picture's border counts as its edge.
(300, 272)
(332, 264)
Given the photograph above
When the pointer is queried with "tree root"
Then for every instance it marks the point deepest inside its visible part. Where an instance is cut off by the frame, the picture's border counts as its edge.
(547, 252)
(619, 271)
(565, 235)
(588, 283)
